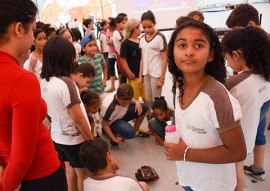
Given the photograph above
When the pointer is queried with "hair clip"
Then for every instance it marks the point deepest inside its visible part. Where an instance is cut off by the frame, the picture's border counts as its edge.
(160, 97)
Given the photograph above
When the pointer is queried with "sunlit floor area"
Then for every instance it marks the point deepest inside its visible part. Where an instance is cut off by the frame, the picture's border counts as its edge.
(143, 151)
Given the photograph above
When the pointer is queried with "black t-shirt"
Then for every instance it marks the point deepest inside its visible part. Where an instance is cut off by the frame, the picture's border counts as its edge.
(132, 53)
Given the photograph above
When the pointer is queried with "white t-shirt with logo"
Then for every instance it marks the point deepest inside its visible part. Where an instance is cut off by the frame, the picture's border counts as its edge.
(60, 94)
(213, 111)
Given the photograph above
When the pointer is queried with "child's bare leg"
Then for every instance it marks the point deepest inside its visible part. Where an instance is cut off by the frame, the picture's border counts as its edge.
(71, 177)
(138, 122)
(82, 173)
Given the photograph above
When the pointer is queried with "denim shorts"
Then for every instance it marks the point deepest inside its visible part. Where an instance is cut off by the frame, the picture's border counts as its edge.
(69, 153)
(158, 126)
(260, 137)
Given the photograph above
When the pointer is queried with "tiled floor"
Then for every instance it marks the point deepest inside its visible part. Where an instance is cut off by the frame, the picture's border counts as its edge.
(143, 151)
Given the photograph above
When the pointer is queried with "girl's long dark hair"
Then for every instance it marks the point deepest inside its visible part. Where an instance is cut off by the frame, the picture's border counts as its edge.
(58, 58)
(216, 68)
(255, 45)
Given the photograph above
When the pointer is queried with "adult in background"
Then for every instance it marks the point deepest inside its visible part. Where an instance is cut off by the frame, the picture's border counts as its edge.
(26, 149)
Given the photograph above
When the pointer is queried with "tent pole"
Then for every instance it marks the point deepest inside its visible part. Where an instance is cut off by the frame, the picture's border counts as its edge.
(102, 11)
(38, 10)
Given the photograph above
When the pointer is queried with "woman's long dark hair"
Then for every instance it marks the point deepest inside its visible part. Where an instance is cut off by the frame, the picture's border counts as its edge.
(216, 68)
(58, 58)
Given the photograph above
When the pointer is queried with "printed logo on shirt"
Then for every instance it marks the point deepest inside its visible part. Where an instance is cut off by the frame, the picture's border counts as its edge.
(198, 130)
(262, 89)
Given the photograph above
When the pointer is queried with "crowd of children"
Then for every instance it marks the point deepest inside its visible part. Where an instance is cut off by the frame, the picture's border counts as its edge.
(217, 119)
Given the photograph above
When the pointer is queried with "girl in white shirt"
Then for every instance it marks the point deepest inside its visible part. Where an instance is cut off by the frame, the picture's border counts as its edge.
(153, 62)
(207, 116)
(34, 63)
(247, 53)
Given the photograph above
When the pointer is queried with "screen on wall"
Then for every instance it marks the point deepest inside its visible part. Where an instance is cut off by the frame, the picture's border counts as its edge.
(165, 11)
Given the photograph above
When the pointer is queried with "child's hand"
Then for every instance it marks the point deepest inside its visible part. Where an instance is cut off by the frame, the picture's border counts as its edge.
(140, 82)
(138, 108)
(115, 166)
(103, 83)
(175, 151)
(131, 76)
(159, 84)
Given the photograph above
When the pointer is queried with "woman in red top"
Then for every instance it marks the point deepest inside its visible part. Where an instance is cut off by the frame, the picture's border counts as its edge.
(27, 152)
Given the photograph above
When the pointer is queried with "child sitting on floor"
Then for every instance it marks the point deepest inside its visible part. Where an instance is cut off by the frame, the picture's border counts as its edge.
(162, 114)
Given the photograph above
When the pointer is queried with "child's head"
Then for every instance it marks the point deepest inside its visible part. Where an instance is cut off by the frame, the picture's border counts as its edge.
(58, 58)
(148, 21)
(89, 45)
(133, 26)
(65, 33)
(83, 74)
(125, 94)
(120, 23)
(197, 15)
(250, 45)
(40, 39)
(49, 30)
(195, 46)
(111, 23)
(104, 25)
(77, 36)
(95, 155)
(242, 16)
(160, 108)
(123, 15)
(182, 19)
(88, 23)
(91, 101)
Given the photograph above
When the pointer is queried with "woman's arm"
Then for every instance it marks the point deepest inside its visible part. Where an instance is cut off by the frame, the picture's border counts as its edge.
(80, 120)
(232, 150)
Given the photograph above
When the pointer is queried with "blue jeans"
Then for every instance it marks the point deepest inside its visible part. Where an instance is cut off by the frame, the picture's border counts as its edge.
(187, 188)
(260, 137)
(122, 127)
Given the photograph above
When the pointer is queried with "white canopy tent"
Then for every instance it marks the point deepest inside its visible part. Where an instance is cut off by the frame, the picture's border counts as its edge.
(62, 11)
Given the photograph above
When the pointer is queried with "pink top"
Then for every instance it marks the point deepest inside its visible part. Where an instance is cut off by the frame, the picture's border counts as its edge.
(109, 41)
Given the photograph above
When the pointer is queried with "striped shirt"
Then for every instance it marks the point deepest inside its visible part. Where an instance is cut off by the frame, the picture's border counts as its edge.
(98, 62)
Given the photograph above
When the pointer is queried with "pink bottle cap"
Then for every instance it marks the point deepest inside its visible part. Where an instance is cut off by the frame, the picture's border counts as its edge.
(170, 128)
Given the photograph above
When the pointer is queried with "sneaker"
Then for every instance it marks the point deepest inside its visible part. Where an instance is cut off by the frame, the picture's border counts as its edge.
(257, 175)
(142, 133)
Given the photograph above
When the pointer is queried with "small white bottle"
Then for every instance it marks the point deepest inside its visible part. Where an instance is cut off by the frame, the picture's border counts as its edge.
(171, 135)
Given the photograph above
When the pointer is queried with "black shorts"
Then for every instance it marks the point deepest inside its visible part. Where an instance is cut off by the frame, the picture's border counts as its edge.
(69, 153)
(54, 182)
